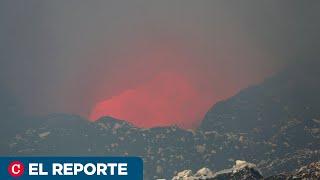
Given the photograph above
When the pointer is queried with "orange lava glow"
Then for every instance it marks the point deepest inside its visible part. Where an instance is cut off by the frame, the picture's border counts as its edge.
(167, 99)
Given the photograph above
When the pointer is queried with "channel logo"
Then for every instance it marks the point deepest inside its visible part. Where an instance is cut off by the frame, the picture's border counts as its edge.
(123, 168)
(16, 168)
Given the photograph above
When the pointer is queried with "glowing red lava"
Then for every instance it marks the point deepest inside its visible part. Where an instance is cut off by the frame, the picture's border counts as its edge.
(168, 99)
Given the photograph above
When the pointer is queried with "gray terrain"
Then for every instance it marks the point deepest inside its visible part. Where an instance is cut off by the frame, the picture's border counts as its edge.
(274, 125)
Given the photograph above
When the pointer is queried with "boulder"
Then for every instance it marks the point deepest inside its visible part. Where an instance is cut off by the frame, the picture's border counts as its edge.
(241, 170)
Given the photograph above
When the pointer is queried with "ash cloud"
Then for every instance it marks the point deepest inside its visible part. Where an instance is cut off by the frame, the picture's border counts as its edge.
(66, 56)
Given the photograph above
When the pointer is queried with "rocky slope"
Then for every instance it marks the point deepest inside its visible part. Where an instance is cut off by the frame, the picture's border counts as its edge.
(164, 150)
(283, 111)
(247, 171)
(275, 125)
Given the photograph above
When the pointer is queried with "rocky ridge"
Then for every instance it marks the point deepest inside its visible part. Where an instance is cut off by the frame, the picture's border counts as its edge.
(248, 171)
(275, 125)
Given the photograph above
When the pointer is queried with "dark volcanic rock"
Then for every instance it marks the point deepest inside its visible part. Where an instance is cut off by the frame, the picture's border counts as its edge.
(275, 125)
(289, 99)
(242, 170)
(279, 117)
(247, 171)
(311, 171)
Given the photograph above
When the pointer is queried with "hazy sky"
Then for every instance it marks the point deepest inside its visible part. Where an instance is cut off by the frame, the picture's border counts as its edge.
(67, 56)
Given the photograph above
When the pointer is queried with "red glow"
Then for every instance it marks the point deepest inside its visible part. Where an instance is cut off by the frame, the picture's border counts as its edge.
(168, 99)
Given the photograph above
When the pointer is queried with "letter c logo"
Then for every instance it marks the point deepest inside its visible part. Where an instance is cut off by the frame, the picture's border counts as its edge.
(16, 168)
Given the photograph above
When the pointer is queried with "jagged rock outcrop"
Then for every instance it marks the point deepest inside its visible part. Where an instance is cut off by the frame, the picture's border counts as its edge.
(203, 173)
(248, 171)
(241, 170)
(186, 174)
(310, 171)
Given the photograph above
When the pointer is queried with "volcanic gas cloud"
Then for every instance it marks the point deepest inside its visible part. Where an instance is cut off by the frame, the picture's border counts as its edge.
(167, 99)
